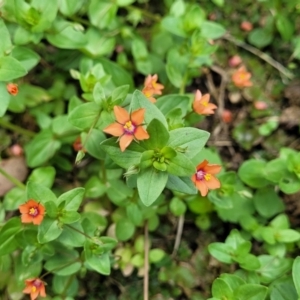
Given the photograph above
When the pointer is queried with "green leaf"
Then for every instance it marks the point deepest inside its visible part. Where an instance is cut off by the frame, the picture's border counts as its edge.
(273, 267)
(43, 176)
(181, 184)
(251, 292)
(8, 243)
(99, 263)
(134, 214)
(69, 217)
(39, 193)
(221, 252)
(156, 255)
(5, 45)
(41, 148)
(72, 199)
(252, 172)
(92, 144)
(219, 3)
(170, 102)
(71, 235)
(260, 37)
(48, 230)
(70, 7)
(131, 156)
(64, 35)
(296, 274)
(180, 165)
(212, 30)
(85, 115)
(14, 198)
(102, 13)
(10, 68)
(64, 263)
(124, 2)
(124, 229)
(287, 236)
(150, 184)
(152, 112)
(118, 74)
(283, 289)
(290, 184)
(159, 136)
(177, 207)
(188, 140)
(267, 202)
(221, 289)
(284, 26)
(26, 57)
(276, 169)
(4, 99)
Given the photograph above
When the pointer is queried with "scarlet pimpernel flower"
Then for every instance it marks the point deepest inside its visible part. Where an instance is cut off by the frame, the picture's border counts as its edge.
(128, 127)
(32, 212)
(204, 178)
(35, 287)
(152, 87)
(201, 104)
(241, 78)
(12, 88)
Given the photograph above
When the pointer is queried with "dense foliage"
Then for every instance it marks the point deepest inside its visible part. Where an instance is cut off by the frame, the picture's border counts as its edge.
(149, 149)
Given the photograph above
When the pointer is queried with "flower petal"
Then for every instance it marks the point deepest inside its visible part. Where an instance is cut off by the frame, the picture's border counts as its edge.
(198, 96)
(202, 165)
(114, 129)
(212, 169)
(213, 183)
(41, 209)
(42, 290)
(205, 98)
(121, 114)
(26, 218)
(141, 134)
(201, 186)
(137, 117)
(38, 219)
(125, 141)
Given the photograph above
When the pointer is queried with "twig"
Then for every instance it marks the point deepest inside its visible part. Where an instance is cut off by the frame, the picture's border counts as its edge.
(178, 235)
(16, 128)
(146, 262)
(275, 64)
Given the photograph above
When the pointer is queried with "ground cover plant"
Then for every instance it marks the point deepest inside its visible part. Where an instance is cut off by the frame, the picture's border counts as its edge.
(149, 149)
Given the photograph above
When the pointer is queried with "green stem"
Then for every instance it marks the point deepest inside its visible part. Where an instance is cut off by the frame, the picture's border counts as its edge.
(80, 20)
(103, 171)
(183, 84)
(61, 267)
(16, 128)
(12, 179)
(75, 229)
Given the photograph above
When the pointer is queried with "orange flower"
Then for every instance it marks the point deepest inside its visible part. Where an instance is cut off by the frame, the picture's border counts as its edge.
(32, 211)
(127, 127)
(12, 88)
(241, 78)
(201, 104)
(152, 87)
(204, 179)
(34, 287)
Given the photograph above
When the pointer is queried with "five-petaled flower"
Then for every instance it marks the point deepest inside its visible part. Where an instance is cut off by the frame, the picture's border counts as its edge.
(204, 178)
(128, 127)
(34, 287)
(241, 77)
(152, 87)
(12, 88)
(201, 104)
(32, 212)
